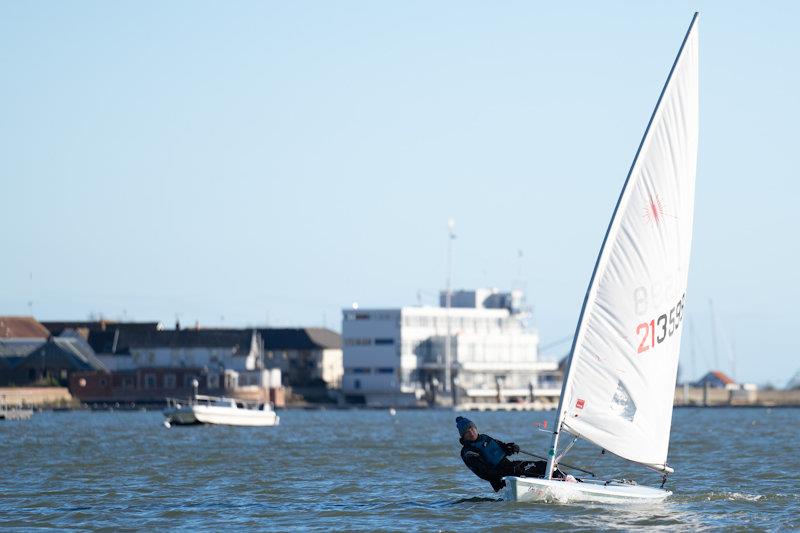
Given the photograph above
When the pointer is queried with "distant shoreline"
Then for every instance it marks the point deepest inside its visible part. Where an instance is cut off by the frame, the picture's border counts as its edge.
(327, 407)
(59, 399)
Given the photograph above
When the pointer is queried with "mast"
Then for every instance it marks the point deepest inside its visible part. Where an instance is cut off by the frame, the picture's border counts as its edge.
(592, 288)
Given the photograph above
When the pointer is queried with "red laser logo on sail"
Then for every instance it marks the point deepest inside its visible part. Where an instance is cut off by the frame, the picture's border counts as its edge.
(654, 210)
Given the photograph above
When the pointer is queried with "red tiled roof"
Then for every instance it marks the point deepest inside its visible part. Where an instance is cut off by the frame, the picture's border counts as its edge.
(22, 327)
(722, 377)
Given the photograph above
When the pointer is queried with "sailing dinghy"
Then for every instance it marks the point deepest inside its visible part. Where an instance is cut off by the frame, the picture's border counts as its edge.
(619, 382)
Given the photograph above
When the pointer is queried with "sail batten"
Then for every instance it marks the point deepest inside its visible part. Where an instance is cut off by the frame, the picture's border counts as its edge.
(619, 383)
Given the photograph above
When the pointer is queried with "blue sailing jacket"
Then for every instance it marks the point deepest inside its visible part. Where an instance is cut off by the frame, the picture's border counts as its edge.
(488, 448)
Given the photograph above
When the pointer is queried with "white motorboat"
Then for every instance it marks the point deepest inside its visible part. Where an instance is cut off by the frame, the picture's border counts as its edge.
(219, 410)
(620, 378)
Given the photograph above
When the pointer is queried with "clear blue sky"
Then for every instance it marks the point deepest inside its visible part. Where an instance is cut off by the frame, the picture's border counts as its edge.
(249, 162)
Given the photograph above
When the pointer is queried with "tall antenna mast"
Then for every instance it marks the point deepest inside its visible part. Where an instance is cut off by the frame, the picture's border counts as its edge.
(714, 334)
(448, 372)
(692, 354)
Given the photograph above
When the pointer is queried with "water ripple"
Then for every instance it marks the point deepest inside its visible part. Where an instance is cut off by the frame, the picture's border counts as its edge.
(365, 470)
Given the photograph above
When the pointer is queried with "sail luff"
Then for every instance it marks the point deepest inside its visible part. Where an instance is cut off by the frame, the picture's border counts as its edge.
(602, 261)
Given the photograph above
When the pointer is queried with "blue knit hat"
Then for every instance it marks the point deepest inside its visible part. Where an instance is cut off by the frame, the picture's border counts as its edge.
(463, 424)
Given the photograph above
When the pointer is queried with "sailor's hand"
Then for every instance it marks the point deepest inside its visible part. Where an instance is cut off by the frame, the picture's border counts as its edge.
(512, 448)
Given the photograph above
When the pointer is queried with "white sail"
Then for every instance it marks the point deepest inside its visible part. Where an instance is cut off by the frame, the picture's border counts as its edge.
(619, 387)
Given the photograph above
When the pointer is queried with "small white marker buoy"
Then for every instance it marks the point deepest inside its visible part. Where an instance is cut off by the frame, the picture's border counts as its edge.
(392, 411)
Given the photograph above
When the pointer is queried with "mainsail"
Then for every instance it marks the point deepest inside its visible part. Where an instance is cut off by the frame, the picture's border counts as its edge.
(620, 381)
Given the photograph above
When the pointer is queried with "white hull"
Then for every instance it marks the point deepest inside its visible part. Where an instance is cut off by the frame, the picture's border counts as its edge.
(527, 489)
(237, 417)
(219, 411)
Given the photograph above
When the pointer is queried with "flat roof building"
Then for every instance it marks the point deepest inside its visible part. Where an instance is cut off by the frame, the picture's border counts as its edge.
(398, 356)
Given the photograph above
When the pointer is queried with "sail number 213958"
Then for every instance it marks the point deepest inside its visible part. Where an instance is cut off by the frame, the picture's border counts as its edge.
(658, 329)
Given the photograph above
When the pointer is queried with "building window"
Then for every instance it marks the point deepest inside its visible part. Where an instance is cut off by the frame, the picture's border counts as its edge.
(358, 370)
(362, 316)
(357, 342)
(149, 381)
(127, 382)
(384, 342)
(357, 384)
(169, 381)
(385, 370)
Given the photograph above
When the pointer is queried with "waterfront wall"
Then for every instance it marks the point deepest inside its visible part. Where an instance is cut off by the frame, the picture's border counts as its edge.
(694, 396)
(36, 396)
(699, 396)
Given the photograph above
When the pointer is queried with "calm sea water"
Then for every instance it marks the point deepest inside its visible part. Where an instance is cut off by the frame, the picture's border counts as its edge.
(368, 470)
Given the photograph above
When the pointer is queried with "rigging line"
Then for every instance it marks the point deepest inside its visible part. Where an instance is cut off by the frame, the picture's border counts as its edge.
(568, 448)
(560, 464)
(552, 344)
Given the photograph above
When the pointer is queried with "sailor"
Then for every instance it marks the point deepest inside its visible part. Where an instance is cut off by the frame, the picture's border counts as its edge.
(487, 457)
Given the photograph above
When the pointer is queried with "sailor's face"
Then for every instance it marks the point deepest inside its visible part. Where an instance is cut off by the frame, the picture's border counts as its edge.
(471, 434)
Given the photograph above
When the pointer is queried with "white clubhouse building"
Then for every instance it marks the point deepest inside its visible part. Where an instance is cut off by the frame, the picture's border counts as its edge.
(398, 356)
